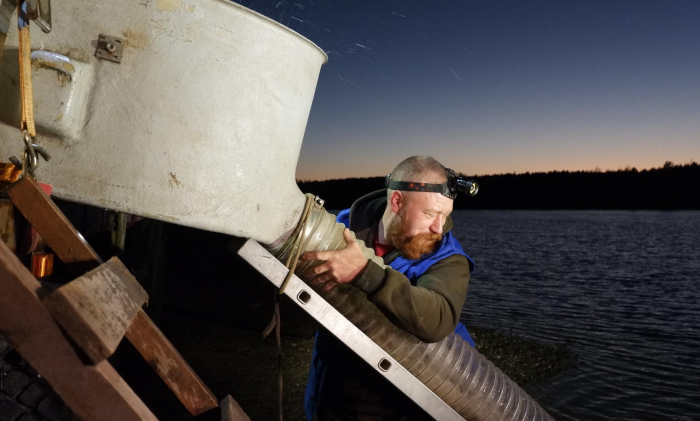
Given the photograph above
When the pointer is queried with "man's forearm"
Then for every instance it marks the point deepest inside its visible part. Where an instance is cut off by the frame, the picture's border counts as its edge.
(430, 310)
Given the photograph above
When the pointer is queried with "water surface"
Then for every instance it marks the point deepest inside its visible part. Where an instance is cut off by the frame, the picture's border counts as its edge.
(620, 287)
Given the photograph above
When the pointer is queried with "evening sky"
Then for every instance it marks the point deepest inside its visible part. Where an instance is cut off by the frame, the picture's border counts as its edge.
(499, 86)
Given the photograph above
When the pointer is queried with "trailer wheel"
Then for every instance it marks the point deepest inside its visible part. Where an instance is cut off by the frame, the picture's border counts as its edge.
(24, 394)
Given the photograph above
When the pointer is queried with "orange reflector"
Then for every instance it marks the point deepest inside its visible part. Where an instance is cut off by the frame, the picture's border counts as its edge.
(42, 264)
(8, 174)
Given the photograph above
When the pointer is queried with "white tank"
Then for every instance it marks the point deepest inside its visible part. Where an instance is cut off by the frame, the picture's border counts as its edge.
(200, 123)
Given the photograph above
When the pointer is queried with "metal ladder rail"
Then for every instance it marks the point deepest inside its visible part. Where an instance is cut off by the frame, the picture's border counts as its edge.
(331, 319)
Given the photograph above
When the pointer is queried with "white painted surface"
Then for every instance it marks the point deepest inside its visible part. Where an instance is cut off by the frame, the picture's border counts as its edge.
(201, 124)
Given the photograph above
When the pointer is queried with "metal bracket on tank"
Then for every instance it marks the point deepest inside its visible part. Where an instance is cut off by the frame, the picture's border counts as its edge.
(110, 48)
(331, 319)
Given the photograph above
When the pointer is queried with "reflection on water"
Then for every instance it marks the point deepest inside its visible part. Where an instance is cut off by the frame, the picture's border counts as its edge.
(620, 287)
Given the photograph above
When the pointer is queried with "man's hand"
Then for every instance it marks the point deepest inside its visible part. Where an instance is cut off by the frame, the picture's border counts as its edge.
(340, 266)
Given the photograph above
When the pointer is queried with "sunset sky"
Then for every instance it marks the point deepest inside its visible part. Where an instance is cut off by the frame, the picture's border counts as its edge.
(496, 86)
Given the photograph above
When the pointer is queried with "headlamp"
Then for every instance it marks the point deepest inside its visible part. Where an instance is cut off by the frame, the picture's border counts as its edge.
(449, 189)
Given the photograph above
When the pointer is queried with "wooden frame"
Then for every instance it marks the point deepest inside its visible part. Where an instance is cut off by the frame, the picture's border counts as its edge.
(43, 214)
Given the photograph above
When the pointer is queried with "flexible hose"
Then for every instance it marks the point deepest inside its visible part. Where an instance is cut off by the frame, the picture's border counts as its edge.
(474, 387)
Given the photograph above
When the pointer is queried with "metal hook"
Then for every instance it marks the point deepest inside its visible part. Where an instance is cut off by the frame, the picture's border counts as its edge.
(28, 145)
(30, 161)
(41, 151)
(17, 163)
(28, 165)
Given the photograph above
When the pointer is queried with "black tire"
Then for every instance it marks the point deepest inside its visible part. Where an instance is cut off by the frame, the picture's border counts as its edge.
(24, 394)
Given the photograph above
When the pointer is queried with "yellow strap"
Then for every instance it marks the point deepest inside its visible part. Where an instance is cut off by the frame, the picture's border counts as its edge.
(25, 79)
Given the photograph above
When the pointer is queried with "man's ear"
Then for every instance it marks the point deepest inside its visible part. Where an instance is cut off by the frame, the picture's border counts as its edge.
(396, 201)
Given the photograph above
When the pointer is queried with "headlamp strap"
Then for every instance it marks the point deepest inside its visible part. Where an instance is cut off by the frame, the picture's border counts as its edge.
(424, 187)
(446, 189)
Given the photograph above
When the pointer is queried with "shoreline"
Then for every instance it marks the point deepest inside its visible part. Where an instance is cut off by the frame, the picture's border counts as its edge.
(523, 360)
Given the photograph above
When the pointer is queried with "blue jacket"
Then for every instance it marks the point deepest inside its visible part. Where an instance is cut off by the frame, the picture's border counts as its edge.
(413, 270)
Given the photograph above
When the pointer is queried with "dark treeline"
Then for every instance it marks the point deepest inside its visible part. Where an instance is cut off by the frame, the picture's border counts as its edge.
(669, 187)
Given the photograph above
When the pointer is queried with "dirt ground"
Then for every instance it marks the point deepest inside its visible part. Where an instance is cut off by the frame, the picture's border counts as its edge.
(241, 363)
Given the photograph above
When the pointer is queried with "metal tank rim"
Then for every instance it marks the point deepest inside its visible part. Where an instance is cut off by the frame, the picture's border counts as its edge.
(263, 17)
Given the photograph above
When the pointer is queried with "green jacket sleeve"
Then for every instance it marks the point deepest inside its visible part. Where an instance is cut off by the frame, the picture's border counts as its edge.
(431, 309)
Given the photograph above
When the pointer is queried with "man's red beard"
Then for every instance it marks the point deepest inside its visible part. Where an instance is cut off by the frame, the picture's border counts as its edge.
(412, 247)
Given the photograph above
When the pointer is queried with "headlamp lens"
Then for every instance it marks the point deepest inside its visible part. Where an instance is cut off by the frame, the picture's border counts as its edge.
(471, 187)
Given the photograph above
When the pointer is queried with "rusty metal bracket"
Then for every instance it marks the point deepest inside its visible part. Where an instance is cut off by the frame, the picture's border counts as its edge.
(110, 48)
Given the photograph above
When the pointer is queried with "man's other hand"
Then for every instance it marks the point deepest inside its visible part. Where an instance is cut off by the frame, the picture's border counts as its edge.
(340, 266)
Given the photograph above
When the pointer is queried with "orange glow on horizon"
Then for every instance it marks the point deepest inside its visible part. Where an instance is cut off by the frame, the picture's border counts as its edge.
(321, 174)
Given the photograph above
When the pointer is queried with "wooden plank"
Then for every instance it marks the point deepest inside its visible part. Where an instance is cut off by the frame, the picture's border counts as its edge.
(93, 392)
(231, 411)
(170, 366)
(96, 308)
(3, 37)
(7, 224)
(72, 248)
(52, 224)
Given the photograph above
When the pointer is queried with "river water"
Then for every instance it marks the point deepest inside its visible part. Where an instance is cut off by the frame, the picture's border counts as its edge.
(621, 288)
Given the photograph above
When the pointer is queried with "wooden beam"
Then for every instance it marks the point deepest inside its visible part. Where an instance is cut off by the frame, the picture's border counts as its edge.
(52, 224)
(7, 224)
(96, 308)
(170, 366)
(93, 392)
(231, 411)
(71, 247)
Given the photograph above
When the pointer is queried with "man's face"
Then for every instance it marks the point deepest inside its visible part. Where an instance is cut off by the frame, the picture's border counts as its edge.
(421, 216)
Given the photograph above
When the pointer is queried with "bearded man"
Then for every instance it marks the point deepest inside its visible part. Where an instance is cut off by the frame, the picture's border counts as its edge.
(422, 290)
